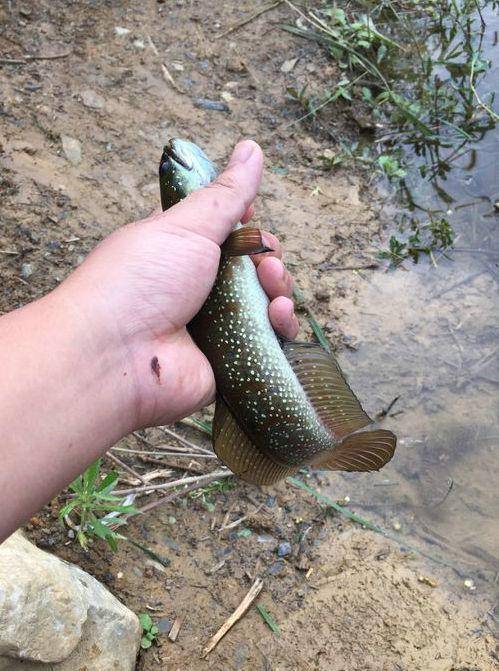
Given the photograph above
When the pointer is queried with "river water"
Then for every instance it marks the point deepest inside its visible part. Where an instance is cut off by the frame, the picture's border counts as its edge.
(428, 333)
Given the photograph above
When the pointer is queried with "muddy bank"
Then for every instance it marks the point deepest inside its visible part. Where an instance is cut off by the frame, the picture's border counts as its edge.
(343, 598)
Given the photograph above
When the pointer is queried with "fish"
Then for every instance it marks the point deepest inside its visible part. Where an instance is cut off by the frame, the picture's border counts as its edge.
(280, 404)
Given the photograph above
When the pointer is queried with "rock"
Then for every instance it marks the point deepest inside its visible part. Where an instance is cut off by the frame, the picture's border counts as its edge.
(71, 148)
(164, 625)
(205, 104)
(92, 99)
(54, 616)
(276, 568)
(289, 65)
(26, 270)
(284, 549)
(322, 294)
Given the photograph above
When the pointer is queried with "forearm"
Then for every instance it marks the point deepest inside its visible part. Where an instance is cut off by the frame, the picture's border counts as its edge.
(66, 395)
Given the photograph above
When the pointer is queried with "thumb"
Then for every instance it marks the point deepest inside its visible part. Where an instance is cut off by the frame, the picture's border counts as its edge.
(213, 210)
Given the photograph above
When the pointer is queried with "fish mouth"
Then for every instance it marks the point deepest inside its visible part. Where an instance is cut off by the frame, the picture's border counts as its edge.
(172, 153)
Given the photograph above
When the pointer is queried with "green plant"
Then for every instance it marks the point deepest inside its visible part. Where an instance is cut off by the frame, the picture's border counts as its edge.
(347, 155)
(413, 68)
(208, 494)
(98, 511)
(149, 631)
(268, 619)
(391, 166)
(423, 238)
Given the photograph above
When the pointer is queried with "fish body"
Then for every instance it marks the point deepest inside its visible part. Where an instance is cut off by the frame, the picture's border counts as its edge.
(280, 404)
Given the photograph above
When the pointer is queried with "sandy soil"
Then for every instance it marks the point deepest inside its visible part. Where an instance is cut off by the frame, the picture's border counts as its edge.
(345, 599)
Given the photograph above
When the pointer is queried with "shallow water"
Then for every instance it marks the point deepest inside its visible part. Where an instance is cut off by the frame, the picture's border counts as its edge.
(429, 334)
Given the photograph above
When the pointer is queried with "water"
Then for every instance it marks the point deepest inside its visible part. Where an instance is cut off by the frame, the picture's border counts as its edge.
(429, 333)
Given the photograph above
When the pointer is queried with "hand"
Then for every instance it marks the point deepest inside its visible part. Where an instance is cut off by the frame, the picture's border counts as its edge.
(147, 280)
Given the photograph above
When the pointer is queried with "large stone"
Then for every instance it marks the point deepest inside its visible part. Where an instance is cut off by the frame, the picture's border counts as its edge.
(55, 616)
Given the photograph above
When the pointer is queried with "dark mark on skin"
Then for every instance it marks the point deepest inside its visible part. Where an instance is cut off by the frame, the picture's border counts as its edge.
(156, 368)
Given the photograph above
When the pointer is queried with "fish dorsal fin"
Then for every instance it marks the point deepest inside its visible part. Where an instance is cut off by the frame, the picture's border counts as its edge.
(328, 391)
(237, 452)
(244, 240)
(366, 451)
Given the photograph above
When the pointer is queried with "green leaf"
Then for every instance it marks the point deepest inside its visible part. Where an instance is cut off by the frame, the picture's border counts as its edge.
(77, 485)
(90, 475)
(244, 533)
(269, 620)
(145, 643)
(145, 621)
(108, 484)
(65, 510)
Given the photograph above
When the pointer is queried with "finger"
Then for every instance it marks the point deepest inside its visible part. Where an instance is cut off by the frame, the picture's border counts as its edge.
(248, 214)
(213, 210)
(274, 278)
(272, 243)
(283, 318)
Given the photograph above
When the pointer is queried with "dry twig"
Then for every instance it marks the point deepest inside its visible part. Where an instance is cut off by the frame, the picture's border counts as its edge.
(186, 442)
(126, 467)
(168, 78)
(248, 19)
(216, 475)
(254, 591)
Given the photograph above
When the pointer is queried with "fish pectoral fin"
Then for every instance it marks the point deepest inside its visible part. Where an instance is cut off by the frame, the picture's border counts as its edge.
(366, 451)
(235, 449)
(328, 391)
(245, 240)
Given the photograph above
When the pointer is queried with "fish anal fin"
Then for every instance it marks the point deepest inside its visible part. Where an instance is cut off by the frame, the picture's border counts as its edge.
(235, 449)
(366, 451)
(328, 391)
(244, 240)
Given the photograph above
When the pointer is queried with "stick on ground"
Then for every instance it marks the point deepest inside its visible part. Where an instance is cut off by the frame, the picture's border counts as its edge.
(248, 19)
(254, 591)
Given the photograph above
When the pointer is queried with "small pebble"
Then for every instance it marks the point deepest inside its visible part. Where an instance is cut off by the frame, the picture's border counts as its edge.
(469, 584)
(396, 525)
(92, 99)
(289, 65)
(206, 104)
(427, 580)
(71, 148)
(276, 568)
(164, 625)
(121, 31)
(284, 549)
(26, 270)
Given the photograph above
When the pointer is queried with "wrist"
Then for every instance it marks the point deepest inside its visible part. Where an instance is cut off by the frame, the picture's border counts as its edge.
(97, 364)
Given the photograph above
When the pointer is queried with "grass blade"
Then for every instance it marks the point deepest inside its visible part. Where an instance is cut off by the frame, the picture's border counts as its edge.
(314, 324)
(268, 619)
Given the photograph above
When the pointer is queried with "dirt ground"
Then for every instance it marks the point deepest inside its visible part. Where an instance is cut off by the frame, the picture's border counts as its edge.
(345, 599)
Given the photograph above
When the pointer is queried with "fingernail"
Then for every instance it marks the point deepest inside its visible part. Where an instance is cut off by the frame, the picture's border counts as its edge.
(242, 152)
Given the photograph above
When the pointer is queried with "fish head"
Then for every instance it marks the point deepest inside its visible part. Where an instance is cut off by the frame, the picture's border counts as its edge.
(184, 167)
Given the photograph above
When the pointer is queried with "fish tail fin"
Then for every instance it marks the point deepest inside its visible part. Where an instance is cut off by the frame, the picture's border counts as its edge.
(340, 411)
(236, 450)
(365, 451)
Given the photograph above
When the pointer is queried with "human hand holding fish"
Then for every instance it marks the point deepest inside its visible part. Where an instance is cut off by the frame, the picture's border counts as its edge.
(160, 314)
(108, 351)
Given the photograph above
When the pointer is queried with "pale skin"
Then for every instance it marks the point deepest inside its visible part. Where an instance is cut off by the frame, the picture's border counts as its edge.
(108, 352)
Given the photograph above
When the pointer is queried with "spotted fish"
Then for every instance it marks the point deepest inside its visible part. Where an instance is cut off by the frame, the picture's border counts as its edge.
(280, 404)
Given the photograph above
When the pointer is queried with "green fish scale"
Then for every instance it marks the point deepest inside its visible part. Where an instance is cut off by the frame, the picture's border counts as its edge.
(252, 372)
